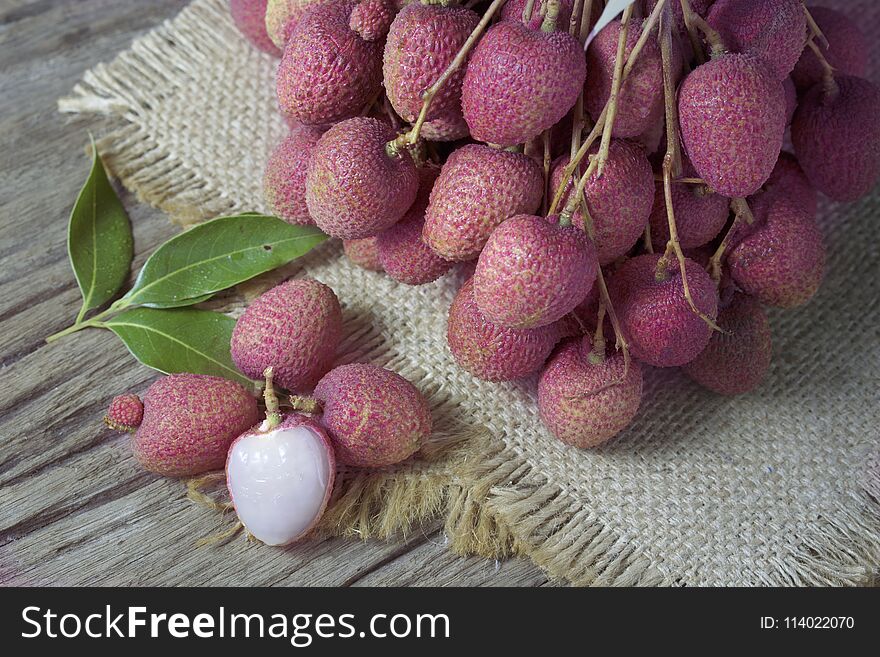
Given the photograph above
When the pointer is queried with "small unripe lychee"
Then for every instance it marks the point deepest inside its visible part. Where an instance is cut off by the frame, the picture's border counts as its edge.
(189, 421)
(374, 416)
(585, 403)
(533, 271)
(250, 19)
(284, 180)
(478, 188)
(363, 252)
(354, 187)
(654, 315)
(735, 360)
(294, 328)
(125, 413)
(847, 50)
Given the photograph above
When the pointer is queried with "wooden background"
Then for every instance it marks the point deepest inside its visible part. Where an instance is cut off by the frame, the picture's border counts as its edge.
(75, 509)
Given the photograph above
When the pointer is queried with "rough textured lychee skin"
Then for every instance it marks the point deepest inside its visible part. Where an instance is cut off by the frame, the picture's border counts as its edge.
(789, 179)
(655, 317)
(576, 401)
(735, 361)
(371, 19)
(402, 252)
(699, 215)
(250, 19)
(732, 115)
(354, 188)
(619, 202)
(125, 413)
(422, 42)
(478, 188)
(519, 82)
(780, 259)
(533, 271)
(284, 179)
(774, 30)
(836, 138)
(491, 352)
(189, 422)
(363, 252)
(847, 49)
(295, 328)
(640, 103)
(282, 17)
(790, 99)
(374, 416)
(328, 72)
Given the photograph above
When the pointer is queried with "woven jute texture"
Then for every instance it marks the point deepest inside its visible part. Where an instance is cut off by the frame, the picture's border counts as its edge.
(778, 487)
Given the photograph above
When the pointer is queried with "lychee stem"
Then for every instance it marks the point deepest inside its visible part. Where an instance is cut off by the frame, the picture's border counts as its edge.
(649, 246)
(611, 116)
(829, 84)
(696, 46)
(551, 15)
(673, 147)
(682, 181)
(308, 405)
(583, 11)
(527, 11)
(742, 212)
(815, 30)
(713, 38)
(597, 355)
(273, 414)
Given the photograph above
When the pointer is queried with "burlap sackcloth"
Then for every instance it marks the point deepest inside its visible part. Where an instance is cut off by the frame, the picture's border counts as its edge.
(776, 487)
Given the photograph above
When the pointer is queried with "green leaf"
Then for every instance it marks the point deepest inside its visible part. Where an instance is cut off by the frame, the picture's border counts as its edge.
(99, 240)
(180, 340)
(216, 255)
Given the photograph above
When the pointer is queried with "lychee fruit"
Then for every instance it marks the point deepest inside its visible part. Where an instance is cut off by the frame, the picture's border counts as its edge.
(284, 179)
(491, 352)
(732, 114)
(847, 50)
(533, 271)
(374, 416)
(521, 81)
(282, 17)
(654, 315)
(294, 328)
(836, 137)
(354, 187)
(586, 403)
(250, 19)
(478, 188)
(700, 214)
(789, 179)
(790, 99)
(780, 259)
(513, 11)
(422, 42)
(188, 423)
(363, 252)
(402, 252)
(737, 358)
(125, 413)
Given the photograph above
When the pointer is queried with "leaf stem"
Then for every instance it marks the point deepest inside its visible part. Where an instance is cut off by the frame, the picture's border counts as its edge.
(78, 326)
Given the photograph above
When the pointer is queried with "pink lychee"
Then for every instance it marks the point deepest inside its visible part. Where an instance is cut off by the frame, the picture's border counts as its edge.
(250, 19)
(363, 252)
(847, 49)
(284, 179)
(125, 413)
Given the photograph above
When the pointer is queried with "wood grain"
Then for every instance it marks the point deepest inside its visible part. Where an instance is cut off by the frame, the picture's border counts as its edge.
(74, 507)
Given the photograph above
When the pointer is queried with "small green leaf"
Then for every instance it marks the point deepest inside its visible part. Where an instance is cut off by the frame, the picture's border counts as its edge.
(180, 340)
(99, 240)
(216, 255)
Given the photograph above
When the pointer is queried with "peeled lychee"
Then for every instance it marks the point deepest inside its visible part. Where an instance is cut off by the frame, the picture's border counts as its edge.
(847, 49)
(654, 315)
(282, 17)
(732, 114)
(520, 81)
(478, 188)
(585, 403)
(189, 421)
(250, 19)
(125, 413)
(491, 352)
(354, 187)
(363, 252)
(699, 215)
(402, 252)
(836, 137)
(533, 271)
(789, 179)
(284, 180)
(737, 360)
(374, 416)
(294, 328)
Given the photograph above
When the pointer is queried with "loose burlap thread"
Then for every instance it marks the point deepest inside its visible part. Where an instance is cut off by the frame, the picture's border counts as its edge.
(777, 487)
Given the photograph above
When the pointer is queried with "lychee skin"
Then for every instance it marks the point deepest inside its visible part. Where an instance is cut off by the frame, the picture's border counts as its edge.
(576, 398)
(780, 259)
(284, 179)
(371, 19)
(422, 42)
(790, 99)
(354, 188)
(533, 271)
(189, 421)
(836, 137)
(774, 30)
(513, 11)
(374, 416)
(519, 82)
(364, 253)
(328, 72)
(491, 352)
(789, 179)
(699, 215)
(295, 328)
(732, 114)
(478, 188)
(655, 317)
(282, 16)
(250, 19)
(125, 413)
(847, 49)
(735, 361)
(402, 252)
